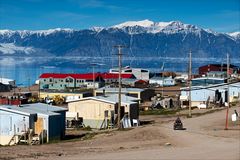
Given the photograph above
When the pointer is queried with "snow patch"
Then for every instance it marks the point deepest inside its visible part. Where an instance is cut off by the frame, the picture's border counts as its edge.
(234, 34)
(143, 23)
(156, 27)
(24, 33)
(11, 48)
(97, 29)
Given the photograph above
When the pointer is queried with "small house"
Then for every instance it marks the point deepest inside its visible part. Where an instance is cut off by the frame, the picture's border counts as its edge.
(15, 122)
(114, 77)
(40, 120)
(142, 94)
(100, 111)
(211, 93)
(51, 119)
(162, 81)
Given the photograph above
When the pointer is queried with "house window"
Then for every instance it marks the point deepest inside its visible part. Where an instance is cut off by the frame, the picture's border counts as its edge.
(44, 80)
(128, 70)
(144, 70)
(70, 80)
(50, 80)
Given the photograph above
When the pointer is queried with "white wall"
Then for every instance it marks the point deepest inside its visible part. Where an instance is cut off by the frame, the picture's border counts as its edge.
(10, 124)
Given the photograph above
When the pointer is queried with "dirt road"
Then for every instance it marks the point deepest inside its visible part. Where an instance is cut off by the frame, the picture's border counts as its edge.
(204, 138)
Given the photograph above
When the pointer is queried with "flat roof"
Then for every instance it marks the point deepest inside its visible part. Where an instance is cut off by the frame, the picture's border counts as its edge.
(123, 90)
(6, 81)
(111, 98)
(161, 78)
(15, 109)
(34, 108)
(215, 86)
(206, 78)
(43, 107)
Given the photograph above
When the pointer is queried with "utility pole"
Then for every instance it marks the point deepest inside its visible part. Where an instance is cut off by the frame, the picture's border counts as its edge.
(119, 47)
(190, 84)
(162, 78)
(228, 101)
(29, 83)
(93, 67)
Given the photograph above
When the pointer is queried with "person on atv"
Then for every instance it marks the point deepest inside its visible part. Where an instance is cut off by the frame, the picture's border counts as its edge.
(178, 124)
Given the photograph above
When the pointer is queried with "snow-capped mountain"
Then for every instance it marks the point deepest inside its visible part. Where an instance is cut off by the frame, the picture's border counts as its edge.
(155, 27)
(144, 38)
(235, 35)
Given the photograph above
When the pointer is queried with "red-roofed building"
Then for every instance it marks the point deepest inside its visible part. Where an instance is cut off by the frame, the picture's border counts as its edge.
(141, 83)
(59, 81)
(203, 70)
(113, 78)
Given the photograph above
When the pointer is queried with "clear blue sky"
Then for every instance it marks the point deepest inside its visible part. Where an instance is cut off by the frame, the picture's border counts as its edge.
(219, 15)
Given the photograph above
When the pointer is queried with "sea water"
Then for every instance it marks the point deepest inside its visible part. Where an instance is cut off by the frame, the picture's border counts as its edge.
(26, 70)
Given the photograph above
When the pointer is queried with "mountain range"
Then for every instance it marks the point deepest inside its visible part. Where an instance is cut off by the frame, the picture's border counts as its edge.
(142, 38)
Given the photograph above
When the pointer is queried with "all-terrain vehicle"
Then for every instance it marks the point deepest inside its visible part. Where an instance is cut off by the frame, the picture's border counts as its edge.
(178, 124)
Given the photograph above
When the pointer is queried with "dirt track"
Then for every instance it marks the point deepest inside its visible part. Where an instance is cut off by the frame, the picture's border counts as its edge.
(205, 138)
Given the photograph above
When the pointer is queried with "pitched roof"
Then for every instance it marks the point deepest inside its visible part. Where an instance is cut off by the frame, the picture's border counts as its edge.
(115, 76)
(87, 76)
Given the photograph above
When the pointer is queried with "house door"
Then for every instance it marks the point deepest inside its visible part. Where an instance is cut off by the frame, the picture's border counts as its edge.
(122, 111)
(39, 126)
(226, 96)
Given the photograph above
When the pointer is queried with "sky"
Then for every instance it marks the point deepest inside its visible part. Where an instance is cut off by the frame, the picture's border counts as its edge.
(218, 15)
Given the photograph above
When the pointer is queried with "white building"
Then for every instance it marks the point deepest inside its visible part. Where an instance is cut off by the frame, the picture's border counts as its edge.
(7, 81)
(212, 93)
(44, 121)
(139, 73)
(99, 111)
(14, 122)
(162, 81)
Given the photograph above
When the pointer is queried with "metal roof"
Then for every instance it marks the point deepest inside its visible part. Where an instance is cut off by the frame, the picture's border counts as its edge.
(87, 76)
(6, 81)
(15, 109)
(208, 78)
(43, 106)
(112, 98)
(123, 90)
(34, 108)
(115, 75)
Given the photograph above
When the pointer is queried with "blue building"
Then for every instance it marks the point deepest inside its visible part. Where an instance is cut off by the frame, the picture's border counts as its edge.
(204, 81)
(217, 93)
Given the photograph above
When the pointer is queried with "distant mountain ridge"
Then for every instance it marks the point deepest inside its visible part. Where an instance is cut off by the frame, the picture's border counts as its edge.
(144, 39)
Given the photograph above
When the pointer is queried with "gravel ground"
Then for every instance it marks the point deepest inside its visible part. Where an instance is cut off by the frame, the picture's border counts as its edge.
(204, 138)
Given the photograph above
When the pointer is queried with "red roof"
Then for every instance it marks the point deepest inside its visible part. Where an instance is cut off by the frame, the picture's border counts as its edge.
(87, 76)
(115, 75)
(141, 81)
